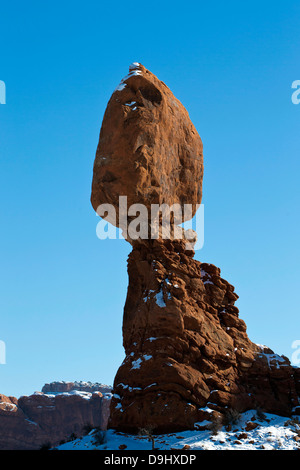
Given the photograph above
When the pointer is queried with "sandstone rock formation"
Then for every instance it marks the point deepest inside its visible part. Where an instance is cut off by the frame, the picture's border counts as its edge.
(187, 350)
(188, 356)
(32, 421)
(142, 159)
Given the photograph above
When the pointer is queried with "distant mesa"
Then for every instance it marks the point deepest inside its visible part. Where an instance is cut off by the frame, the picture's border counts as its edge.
(81, 386)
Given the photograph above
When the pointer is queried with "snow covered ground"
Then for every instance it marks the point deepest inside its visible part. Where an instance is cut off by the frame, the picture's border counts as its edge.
(272, 433)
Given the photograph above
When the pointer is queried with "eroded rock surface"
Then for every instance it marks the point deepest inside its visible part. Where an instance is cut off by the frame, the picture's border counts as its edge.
(187, 350)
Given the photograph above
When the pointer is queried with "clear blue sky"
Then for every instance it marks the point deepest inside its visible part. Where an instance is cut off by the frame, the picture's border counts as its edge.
(231, 64)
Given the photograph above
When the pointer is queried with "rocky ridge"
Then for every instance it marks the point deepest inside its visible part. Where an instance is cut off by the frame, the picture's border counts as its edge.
(81, 386)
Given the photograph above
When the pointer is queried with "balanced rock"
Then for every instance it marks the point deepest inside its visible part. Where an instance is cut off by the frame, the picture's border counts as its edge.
(149, 150)
(188, 358)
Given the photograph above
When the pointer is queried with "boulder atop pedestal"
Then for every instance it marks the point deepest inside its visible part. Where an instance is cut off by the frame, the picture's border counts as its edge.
(149, 150)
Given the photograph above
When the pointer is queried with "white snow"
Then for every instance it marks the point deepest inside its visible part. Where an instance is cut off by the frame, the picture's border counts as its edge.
(136, 364)
(130, 389)
(202, 424)
(160, 299)
(274, 433)
(8, 406)
(147, 357)
(134, 65)
(147, 296)
(132, 72)
(151, 385)
(261, 346)
(82, 394)
(120, 87)
(119, 407)
(273, 359)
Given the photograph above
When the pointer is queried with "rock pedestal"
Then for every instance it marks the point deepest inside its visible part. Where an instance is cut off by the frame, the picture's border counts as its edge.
(187, 350)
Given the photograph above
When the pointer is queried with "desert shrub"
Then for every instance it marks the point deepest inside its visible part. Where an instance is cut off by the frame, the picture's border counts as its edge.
(148, 433)
(99, 437)
(231, 416)
(216, 425)
(294, 423)
(260, 415)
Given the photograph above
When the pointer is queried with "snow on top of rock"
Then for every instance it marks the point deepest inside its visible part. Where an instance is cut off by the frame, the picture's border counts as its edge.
(130, 103)
(80, 393)
(160, 299)
(274, 359)
(262, 346)
(120, 87)
(132, 71)
(147, 357)
(202, 424)
(151, 385)
(137, 363)
(125, 386)
(134, 65)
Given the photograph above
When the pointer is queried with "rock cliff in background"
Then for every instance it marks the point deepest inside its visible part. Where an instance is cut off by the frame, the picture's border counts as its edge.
(187, 350)
(33, 421)
(61, 387)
